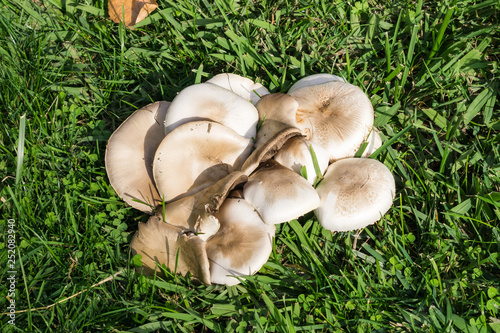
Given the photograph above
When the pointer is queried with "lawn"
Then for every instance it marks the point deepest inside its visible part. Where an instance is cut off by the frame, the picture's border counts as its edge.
(69, 77)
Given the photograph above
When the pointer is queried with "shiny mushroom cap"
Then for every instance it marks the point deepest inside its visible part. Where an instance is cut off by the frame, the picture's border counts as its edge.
(241, 86)
(279, 194)
(129, 156)
(241, 246)
(354, 193)
(336, 115)
(196, 155)
(207, 101)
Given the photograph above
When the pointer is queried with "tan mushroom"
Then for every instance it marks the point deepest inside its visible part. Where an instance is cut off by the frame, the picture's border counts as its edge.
(129, 156)
(277, 112)
(354, 193)
(279, 194)
(241, 246)
(181, 251)
(207, 101)
(241, 86)
(196, 155)
(336, 115)
(196, 212)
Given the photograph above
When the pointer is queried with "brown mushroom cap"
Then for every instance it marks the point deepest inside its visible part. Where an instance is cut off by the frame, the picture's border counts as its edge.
(336, 115)
(241, 246)
(354, 193)
(196, 155)
(129, 156)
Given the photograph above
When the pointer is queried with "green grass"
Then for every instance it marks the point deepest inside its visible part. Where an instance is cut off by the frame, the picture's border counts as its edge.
(69, 77)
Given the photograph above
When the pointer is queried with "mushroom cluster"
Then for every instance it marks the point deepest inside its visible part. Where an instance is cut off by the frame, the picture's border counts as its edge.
(225, 161)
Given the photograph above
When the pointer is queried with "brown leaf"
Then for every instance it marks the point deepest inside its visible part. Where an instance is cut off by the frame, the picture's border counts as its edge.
(130, 12)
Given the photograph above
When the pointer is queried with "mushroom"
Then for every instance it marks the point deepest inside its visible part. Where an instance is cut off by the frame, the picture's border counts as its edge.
(241, 86)
(196, 155)
(196, 212)
(277, 112)
(279, 194)
(129, 156)
(180, 250)
(313, 80)
(296, 154)
(336, 115)
(354, 193)
(241, 246)
(374, 142)
(207, 101)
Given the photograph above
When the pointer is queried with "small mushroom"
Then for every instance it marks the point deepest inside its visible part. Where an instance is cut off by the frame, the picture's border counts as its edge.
(336, 115)
(374, 142)
(196, 155)
(180, 250)
(129, 156)
(241, 86)
(296, 153)
(241, 246)
(279, 194)
(313, 80)
(277, 112)
(354, 193)
(207, 101)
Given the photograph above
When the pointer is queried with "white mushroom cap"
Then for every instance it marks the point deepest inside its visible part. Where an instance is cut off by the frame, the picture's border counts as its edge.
(374, 142)
(241, 86)
(313, 80)
(296, 153)
(279, 194)
(355, 192)
(196, 155)
(336, 115)
(129, 156)
(161, 243)
(207, 101)
(241, 246)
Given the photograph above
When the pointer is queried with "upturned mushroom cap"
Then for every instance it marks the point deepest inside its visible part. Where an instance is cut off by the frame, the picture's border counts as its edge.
(355, 192)
(197, 212)
(313, 80)
(207, 101)
(278, 125)
(241, 246)
(336, 115)
(296, 153)
(129, 156)
(241, 86)
(161, 243)
(196, 155)
(279, 194)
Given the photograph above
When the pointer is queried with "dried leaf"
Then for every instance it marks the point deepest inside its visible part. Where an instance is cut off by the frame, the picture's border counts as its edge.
(130, 12)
